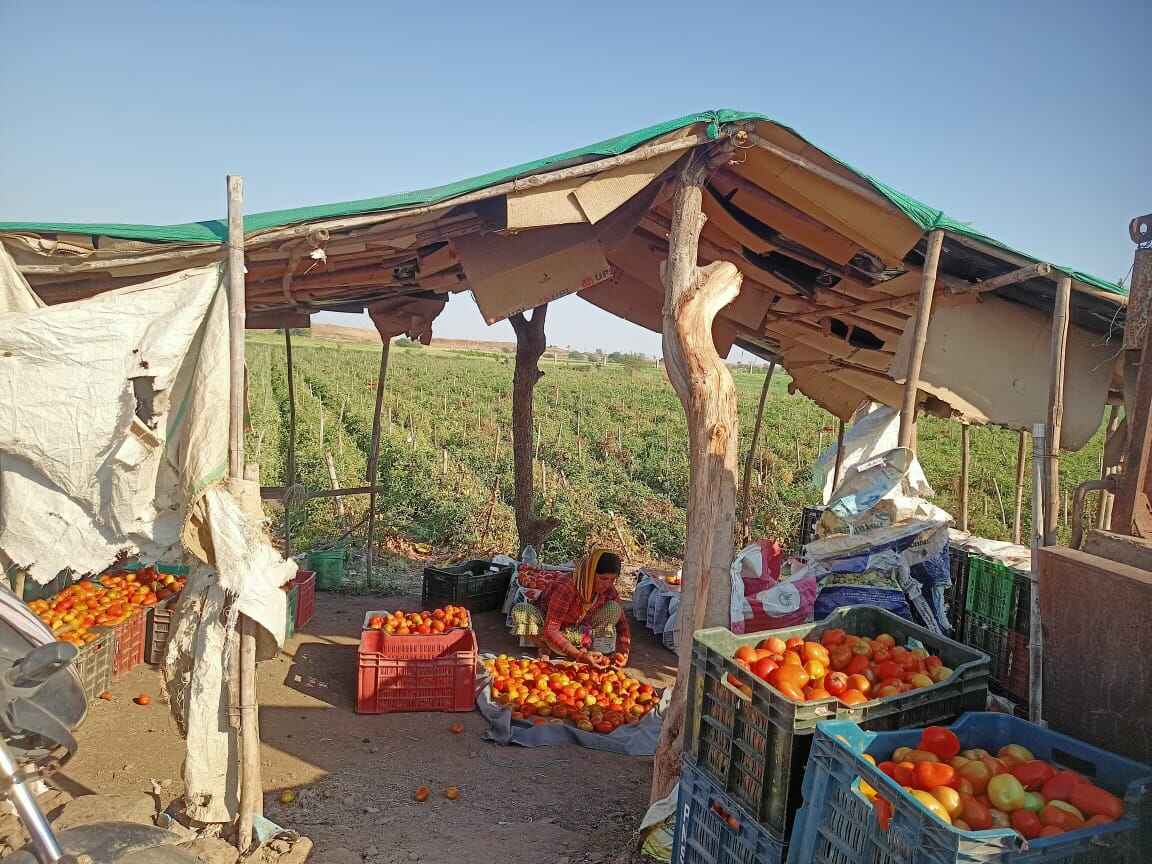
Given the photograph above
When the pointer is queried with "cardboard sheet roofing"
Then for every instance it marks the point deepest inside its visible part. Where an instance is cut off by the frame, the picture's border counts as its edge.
(922, 216)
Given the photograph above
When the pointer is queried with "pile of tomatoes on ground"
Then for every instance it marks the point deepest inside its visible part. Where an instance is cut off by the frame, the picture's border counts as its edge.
(548, 691)
(401, 623)
(973, 790)
(852, 669)
(83, 605)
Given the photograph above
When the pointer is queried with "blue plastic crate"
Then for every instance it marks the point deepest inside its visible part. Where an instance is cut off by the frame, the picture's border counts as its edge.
(837, 824)
(704, 836)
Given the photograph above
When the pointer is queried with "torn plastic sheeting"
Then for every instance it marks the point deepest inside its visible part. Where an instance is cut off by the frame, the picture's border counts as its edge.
(633, 739)
(83, 478)
(247, 578)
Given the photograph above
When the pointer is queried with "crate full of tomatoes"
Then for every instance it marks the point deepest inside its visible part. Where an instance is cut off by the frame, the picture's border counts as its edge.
(991, 787)
(547, 691)
(754, 700)
(416, 661)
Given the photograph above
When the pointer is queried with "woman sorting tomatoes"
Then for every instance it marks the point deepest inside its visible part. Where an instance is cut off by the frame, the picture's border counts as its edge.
(574, 611)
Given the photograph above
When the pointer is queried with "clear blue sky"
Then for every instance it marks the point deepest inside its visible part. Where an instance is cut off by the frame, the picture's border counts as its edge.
(1030, 120)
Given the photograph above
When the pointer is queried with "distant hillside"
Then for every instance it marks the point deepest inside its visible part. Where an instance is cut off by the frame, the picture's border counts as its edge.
(339, 332)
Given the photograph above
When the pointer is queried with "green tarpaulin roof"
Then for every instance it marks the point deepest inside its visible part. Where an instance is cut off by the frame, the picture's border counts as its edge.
(214, 231)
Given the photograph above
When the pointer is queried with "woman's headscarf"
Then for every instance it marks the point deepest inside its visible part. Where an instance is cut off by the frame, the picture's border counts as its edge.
(584, 578)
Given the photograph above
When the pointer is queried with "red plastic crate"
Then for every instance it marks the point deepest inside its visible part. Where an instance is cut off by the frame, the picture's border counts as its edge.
(306, 598)
(416, 673)
(130, 642)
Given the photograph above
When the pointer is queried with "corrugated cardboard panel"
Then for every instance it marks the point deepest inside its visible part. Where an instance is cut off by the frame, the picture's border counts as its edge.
(991, 360)
(780, 217)
(877, 228)
(631, 299)
(510, 274)
(605, 192)
(554, 204)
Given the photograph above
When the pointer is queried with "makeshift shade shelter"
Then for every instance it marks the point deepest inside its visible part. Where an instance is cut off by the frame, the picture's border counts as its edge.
(717, 229)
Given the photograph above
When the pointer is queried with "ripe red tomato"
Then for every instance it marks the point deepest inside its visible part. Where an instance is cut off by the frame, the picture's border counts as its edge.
(857, 665)
(1026, 822)
(1059, 788)
(929, 775)
(904, 773)
(975, 813)
(941, 741)
(764, 667)
(1034, 774)
(832, 636)
(852, 697)
(835, 683)
(1091, 800)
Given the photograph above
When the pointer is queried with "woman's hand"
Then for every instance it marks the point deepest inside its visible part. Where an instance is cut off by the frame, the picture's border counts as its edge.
(597, 659)
(620, 660)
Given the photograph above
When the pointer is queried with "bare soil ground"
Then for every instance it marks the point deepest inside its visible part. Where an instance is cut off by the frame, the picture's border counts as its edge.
(355, 775)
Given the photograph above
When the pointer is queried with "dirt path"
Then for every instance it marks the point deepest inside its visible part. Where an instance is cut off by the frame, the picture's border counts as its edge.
(355, 775)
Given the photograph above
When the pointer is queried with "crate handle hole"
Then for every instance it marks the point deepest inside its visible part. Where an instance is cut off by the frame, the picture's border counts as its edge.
(1074, 763)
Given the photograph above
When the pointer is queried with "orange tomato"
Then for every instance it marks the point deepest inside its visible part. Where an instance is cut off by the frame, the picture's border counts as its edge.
(852, 697)
(859, 682)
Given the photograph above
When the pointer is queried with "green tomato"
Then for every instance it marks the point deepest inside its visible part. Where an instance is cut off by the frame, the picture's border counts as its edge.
(1033, 802)
(1006, 793)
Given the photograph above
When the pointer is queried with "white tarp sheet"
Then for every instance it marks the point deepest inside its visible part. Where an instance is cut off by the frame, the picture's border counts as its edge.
(114, 439)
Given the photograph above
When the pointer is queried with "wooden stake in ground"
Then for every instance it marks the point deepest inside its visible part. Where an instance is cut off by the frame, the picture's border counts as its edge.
(839, 453)
(374, 458)
(965, 456)
(1059, 349)
(290, 471)
(1018, 517)
(530, 345)
(749, 459)
(920, 336)
(251, 789)
(339, 500)
(693, 297)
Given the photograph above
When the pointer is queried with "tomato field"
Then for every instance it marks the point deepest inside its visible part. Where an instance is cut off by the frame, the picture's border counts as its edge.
(611, 450)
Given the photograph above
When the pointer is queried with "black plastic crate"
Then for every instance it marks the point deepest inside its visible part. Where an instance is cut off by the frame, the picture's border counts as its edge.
(756, 748)
(479, 586)
(809, 516)
(712, 829)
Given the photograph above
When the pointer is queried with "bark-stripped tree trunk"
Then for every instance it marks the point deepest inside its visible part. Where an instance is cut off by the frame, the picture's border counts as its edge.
(530, 345)
(693, 297)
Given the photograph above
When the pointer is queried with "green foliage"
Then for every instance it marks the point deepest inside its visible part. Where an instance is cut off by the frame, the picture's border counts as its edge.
(612, 443)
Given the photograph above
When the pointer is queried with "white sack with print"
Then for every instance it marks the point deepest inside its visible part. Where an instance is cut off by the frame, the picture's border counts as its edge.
(873, 429)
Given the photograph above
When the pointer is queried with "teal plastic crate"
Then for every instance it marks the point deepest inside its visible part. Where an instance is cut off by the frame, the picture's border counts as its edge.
(713, 829)
(838, 825)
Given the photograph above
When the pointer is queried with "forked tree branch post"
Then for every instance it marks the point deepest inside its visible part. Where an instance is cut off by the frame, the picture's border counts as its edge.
(750, 459)
(531, 343)
(693, 297)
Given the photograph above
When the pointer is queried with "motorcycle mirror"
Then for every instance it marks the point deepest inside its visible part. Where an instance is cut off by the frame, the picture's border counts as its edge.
(40, 664)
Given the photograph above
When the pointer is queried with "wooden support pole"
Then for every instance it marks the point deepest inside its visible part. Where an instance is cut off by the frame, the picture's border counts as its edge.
(1021, 461)
(290, 476)
(693, 297)
(920, 336)
(1059, 349)
(531, 343)
(839, 453)
(251, 790)
(374, 460)
(965, 455)
(1040, 502)
(752, 447)
(335, 481)
(1020, 275)
(1104, 512)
